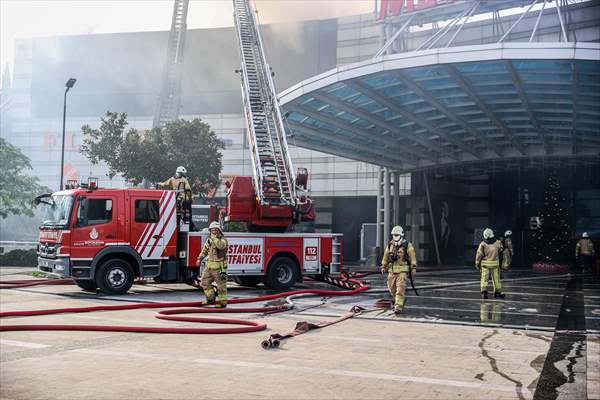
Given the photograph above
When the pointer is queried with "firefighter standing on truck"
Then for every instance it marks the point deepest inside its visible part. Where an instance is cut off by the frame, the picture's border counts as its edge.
(487, 261)
(399, 259)
(215, 250)
(178, 182)
(584, 251)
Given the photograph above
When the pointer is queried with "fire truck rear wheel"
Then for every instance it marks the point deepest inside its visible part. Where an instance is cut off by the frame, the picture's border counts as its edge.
(283, 273)
(115, 276)
(86, 284)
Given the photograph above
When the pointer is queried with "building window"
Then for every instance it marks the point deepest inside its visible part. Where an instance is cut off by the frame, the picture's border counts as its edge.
(94, 212)
(146, 211)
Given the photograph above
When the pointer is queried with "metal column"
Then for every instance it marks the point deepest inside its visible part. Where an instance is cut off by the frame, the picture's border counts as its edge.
(387, 204)
(431, 220)
(396, 202)
(378, 230)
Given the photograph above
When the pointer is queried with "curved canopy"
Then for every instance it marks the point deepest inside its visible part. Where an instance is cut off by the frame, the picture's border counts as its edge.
(498, 104)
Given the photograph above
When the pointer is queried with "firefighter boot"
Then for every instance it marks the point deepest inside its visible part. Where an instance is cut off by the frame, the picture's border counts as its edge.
(210, 296)
(484, 294)
(221, 304)
(499, 295)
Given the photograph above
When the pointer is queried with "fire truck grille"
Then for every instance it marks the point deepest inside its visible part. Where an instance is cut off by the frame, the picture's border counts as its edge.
(47, 249)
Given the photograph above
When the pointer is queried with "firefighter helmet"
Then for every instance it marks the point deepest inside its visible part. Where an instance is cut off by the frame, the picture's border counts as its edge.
(508, 233)
(215, 225)
(585, 235)
(181, 170)
(397, 230)
(488, 233)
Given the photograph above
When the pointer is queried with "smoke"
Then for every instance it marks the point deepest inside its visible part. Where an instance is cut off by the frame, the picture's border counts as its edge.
(283, 16)
(277, 11)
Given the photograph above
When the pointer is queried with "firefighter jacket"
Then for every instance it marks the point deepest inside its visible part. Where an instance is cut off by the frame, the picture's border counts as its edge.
(399, 257)
(584, 247)
(488, 254)
(175, 183)
(508, 245)
(215, 249)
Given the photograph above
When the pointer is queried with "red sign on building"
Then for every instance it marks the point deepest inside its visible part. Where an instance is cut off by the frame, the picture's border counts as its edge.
(390, 8)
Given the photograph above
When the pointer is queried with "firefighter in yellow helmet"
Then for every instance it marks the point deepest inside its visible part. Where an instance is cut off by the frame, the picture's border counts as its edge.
(399, 260)
(507, 250)
(215, 251)
(584, 251)
(178, 182)
(487, 261)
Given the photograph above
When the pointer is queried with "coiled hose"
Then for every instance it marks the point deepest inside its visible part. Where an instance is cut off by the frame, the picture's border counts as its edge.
(176, 309)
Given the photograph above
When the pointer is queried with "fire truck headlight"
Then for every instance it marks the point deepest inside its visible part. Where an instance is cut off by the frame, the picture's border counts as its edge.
(59, 267)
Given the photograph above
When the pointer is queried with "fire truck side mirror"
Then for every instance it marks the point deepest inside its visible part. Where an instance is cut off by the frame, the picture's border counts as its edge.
(81, 211)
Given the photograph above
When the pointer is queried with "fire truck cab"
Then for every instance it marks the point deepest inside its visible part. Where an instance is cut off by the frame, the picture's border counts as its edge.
(106, 238)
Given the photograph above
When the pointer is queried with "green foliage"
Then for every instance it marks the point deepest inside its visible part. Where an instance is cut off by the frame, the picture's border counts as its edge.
(155, 154)
(236, 226)
(19, 258)
(550, 242)
(38, 274)
(17, 190)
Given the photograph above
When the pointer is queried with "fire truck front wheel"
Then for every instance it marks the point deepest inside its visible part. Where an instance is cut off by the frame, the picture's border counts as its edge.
(282, 274)
(251, 281)
(87, 285)
(115, 276)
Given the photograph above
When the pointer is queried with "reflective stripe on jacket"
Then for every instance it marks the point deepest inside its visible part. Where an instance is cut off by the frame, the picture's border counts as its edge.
(215, 249)
(488, 254)
(400, 265)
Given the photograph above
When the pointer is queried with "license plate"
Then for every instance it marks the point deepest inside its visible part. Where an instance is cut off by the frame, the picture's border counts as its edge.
(43, 263)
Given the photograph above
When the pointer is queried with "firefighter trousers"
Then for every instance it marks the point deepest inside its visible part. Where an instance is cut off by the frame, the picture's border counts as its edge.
(485, 277)
(397, 286)
(506, 260)
(206, 281)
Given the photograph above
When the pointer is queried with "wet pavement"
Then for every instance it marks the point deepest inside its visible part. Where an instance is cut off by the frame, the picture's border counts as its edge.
(560, 310)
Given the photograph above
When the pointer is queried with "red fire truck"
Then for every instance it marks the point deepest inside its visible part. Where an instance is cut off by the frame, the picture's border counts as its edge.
(105, 238)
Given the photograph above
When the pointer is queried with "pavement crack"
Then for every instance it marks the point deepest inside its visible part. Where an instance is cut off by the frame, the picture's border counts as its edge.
(494, 365)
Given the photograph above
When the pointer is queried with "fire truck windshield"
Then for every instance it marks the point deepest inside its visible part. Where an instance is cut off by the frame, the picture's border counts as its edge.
(56, 209)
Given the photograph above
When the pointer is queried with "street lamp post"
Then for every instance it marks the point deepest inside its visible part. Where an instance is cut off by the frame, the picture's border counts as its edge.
(70, 83)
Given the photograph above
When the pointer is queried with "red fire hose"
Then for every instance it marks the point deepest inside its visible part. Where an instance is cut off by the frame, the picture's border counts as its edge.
(34, 282)
(248, 326)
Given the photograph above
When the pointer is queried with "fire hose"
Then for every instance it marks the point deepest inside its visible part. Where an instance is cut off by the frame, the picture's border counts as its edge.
(177, 308)
(34, 282)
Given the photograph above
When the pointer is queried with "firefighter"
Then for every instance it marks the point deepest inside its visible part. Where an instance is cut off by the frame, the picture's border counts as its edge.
(507, 250)
(487, 261)
(215, 250)
(399, 259)
(304, 215)
(584, 252)
(178, 182)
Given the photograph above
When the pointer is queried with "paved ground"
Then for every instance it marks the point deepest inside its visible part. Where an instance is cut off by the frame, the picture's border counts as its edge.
(542, 342)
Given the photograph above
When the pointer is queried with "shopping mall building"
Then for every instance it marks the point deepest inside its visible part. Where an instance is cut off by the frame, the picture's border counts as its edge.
(445, 117)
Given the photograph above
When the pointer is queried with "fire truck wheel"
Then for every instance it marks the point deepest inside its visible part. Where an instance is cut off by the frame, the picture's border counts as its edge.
(251, 281)
(283, 273)
(85, 284)
(114, 276)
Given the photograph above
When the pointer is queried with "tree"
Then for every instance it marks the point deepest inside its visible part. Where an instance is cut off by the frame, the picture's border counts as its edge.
(550, 242)
(155, 154)
(17, 190)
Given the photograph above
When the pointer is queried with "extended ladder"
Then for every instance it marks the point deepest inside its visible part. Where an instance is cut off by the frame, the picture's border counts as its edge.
(169, 101)
(274, 178)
